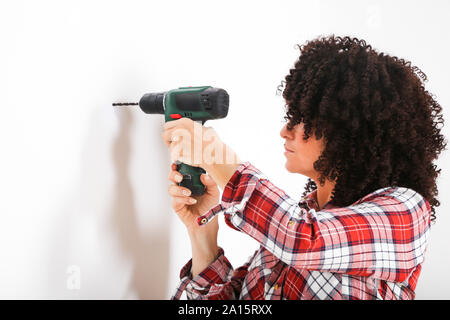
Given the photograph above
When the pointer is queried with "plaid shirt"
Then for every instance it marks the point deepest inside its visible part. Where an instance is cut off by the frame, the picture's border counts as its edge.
(372, 249)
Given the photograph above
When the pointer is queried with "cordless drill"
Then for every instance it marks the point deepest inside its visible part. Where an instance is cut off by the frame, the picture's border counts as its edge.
(197, 103)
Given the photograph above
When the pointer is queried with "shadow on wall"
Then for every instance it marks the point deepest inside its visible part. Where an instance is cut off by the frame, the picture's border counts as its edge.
(147, 248)
(96, 212)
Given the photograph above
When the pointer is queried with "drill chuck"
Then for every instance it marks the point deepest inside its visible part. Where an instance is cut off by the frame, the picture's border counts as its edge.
(152, 103)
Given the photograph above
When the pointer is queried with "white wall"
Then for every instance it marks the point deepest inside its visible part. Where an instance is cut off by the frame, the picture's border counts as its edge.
(84, 187)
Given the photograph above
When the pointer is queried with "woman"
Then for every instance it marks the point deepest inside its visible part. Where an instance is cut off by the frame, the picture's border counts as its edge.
(363, 129)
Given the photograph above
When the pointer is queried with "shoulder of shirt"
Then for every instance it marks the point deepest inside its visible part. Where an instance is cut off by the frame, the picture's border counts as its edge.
(406, 196)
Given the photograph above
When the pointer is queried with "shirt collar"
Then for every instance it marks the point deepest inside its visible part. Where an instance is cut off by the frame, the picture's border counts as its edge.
(310, 200)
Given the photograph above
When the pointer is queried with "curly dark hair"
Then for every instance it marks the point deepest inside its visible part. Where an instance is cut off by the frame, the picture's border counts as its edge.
(379, 123)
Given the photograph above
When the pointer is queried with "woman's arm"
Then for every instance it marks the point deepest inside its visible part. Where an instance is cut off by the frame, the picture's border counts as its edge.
(218, 281)
(384, 234)
(222, 172)
(204, 250)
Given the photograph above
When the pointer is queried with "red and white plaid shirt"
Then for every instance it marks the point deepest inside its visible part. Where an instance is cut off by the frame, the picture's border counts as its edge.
(372, 249)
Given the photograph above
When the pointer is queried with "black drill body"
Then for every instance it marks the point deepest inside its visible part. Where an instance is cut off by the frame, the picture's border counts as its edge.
(197, 103)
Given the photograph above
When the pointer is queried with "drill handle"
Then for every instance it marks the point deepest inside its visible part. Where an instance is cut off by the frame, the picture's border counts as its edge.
(191, 178)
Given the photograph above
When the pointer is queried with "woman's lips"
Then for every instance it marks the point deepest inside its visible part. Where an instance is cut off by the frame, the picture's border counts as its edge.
(287, 150)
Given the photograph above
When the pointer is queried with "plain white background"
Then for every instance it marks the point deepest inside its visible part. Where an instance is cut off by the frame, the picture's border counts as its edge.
(85, 212)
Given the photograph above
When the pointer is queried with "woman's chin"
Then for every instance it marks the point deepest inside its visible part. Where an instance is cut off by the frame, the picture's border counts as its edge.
(294, 168)
(290, 167)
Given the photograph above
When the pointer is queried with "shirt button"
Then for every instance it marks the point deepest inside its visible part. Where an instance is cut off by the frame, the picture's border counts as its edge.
(276, 286)
(291, 223)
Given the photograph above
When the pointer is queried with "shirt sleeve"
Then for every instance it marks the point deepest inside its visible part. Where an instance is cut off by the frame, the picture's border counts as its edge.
(218, 281)
(383, 235)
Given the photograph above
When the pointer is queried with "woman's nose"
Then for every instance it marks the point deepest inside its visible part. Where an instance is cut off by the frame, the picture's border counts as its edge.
(285, 133)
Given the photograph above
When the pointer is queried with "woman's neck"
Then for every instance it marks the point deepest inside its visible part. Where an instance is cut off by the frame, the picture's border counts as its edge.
(324, 193)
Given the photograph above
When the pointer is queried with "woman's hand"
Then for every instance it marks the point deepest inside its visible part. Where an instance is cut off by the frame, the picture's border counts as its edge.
(203, 238)
(187, 207)
(192, 143)
(199, 146)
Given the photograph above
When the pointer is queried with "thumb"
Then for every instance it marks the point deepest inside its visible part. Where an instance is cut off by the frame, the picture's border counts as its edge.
(207, 180)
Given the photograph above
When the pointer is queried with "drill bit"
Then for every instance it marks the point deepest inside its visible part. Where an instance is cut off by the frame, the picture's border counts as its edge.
(125, 104)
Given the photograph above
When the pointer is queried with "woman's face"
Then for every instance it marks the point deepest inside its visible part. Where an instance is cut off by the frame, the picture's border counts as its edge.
(301, 154)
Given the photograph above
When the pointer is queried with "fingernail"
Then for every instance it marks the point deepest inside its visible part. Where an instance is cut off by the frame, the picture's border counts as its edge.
(178, 178)
(192, 200)
(186, 193)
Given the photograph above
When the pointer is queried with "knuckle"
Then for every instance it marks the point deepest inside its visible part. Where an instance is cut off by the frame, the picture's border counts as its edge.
(173, 190)
(176, 203)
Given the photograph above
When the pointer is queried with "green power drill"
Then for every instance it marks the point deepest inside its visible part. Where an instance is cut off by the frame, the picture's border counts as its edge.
(197, 103)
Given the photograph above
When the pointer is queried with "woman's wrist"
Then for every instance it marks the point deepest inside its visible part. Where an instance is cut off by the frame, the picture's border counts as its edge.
(204, 252)
(221, 170)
